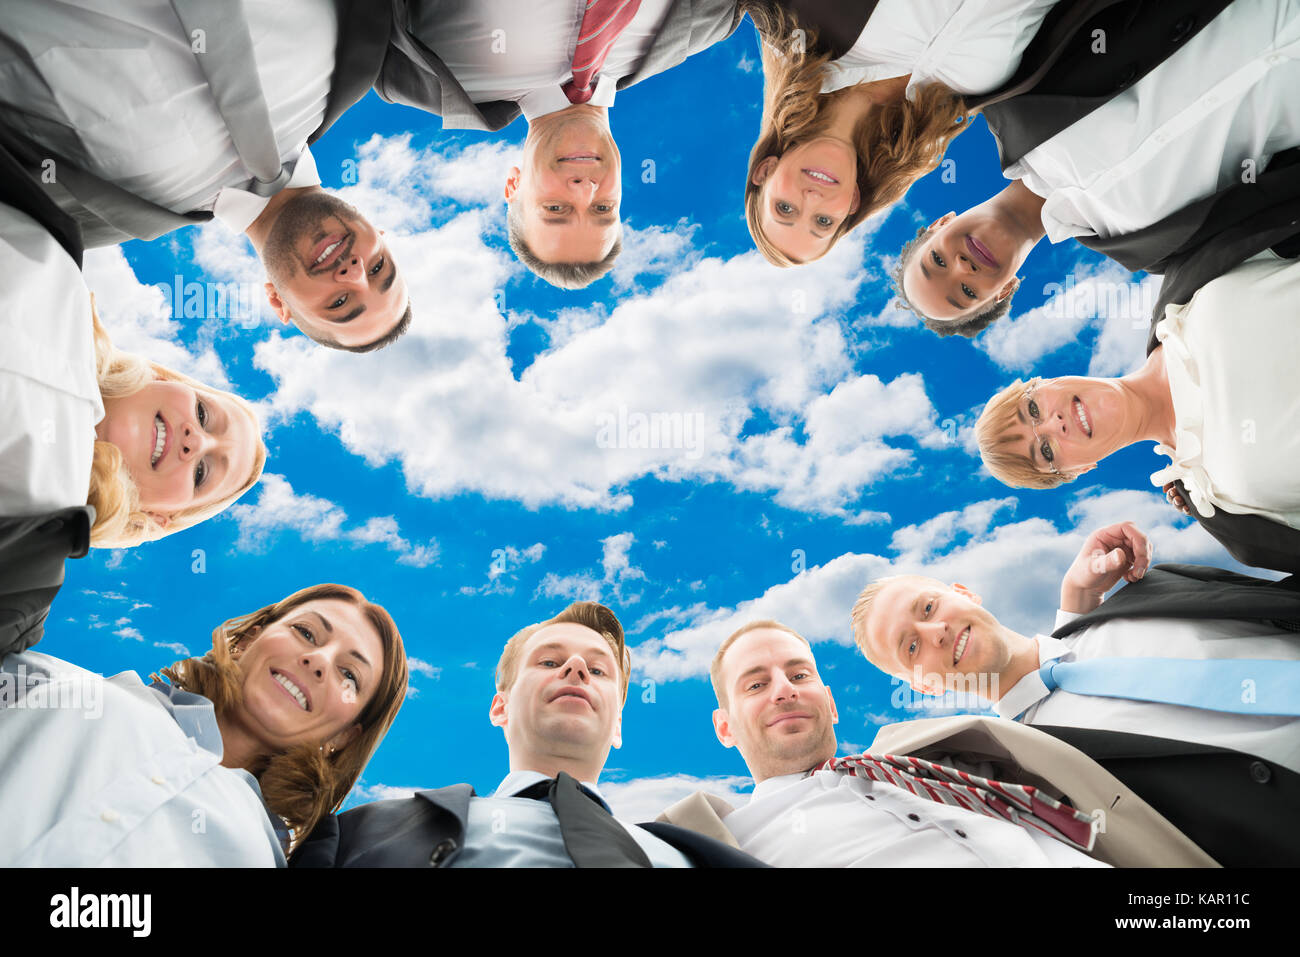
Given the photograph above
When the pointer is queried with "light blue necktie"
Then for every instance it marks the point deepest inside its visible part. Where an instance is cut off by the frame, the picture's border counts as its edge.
(1256, 686)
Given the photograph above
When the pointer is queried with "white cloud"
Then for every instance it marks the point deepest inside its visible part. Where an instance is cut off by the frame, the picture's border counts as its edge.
(420, 667)
(138, 318)
(316, 519)
(1015, 566)
(1104, 297)
(745, 343)
(616, 571)
(654, 250)
(746, 63)
(175, 647)
(642, 799)
(129, 632)
(506, 561)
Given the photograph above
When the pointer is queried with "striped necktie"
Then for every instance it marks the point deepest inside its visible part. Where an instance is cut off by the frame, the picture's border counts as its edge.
(1021, 804)
(602, 22)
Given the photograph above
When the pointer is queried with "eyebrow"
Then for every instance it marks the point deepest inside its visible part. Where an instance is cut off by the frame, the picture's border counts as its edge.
(324, 622)
(761, 669)
(592, 652)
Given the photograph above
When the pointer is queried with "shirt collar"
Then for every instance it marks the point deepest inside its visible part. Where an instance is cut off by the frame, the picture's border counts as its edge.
(769, 786)
(237, 208)
(1030, 689)
(516, 781)
(552, 99)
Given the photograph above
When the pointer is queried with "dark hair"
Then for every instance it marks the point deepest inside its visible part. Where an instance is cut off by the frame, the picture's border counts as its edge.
(969, 327)
(560, 275)
(387, 339)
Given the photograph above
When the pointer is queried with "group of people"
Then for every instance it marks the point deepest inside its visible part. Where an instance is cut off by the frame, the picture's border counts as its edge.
(1161, 134)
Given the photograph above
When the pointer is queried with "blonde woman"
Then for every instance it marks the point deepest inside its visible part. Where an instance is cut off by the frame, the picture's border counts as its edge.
(232, 763)
(1217, 394)
(842, 139)
(84, 423)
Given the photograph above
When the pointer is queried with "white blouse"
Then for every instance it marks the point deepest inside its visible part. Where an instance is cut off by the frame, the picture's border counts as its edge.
(49, 395)
(1232, 356)
(970, 46)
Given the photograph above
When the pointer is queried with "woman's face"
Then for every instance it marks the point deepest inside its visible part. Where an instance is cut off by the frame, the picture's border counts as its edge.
(183, 448)
(308, 676)
(806, 194)
(1073, 422)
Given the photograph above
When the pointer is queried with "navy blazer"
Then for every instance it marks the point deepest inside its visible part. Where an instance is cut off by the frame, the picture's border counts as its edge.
(428, 830)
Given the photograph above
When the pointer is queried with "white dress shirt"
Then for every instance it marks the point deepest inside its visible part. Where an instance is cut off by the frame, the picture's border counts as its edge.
(831, 819)
(970, 46)
(508, 831)
(1231, 354)
(107, 772)
(49, 395)
(143, 116)
(1272, 737)
(523, 52)
(1182, 132)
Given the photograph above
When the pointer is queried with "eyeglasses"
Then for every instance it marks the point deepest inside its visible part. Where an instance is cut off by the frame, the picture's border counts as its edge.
(1035, 419)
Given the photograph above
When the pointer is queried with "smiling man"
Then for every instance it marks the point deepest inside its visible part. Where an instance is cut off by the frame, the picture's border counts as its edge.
(1193, 664)
(774, 709)
(480, 64)
(141, 118)
(560, 689)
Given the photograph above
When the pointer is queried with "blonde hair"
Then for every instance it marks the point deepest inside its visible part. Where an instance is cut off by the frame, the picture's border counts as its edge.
(589, 614)
(862, 611)
(715, 668)
(897, 143)
(304, 784)
(120, 522)
(1002, 452)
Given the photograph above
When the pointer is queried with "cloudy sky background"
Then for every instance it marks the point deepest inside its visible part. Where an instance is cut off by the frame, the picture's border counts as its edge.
(470, 477)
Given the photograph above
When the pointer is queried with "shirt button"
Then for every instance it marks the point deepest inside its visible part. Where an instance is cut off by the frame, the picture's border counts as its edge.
(960, 832)
(1274, 59)
(109, 816)
(158, 779)
(1259, 772)
(913, 817)
(870, 797)
(1162, 137)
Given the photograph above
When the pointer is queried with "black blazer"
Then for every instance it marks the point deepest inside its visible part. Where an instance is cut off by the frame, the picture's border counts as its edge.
(1061, 79)
(1239, 808)
(428, 830)
(32, 550)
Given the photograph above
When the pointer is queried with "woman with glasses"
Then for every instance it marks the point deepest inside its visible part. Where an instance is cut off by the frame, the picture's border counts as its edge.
(1217, 395)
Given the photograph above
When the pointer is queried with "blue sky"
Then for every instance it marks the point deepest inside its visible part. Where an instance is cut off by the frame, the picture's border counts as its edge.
(461, 478)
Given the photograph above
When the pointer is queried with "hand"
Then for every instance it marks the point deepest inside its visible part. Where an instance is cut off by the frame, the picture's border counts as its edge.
(1108, 554)
(1176, 500)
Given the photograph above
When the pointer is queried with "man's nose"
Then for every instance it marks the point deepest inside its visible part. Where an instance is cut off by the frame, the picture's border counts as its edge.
(576, 667)
(350, 269)
(782, 689)
(585, 186)
(934, 631)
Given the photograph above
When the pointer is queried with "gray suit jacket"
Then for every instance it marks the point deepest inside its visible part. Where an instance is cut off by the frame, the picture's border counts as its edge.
(32, 550)
(413, 74)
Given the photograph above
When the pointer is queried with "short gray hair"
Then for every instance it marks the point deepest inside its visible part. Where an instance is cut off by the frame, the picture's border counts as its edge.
(561, 275)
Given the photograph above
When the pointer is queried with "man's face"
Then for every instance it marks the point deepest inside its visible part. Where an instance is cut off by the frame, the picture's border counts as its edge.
(964, 264)
(568, 190)
(332, 271)
(566, 700)
(777, 713)
(930, 635)
(183, 449)
(806, 194)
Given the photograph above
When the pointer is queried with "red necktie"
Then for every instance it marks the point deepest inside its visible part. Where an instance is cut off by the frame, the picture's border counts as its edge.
(602, 22)
(1020, 804)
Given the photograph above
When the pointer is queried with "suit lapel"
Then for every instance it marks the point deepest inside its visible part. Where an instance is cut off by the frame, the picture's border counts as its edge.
(1195, 591)
(363, 28)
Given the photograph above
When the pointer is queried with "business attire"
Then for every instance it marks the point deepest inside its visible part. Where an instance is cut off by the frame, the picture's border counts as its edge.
(970, 46)
(1229, 356)
(1185, 612)
(830, 819)
(452, 827)
(1180, 133)
(114, 773)
(479, 64)
(32, 553)
(153, 115)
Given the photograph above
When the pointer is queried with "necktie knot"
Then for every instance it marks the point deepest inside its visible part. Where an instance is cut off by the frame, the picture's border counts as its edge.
(602, 22)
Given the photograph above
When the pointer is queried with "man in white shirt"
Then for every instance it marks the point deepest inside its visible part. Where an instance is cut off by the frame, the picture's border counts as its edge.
(561, 685)
(1211, 115)
(481, 63)
(774, 708)
(143, 117)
